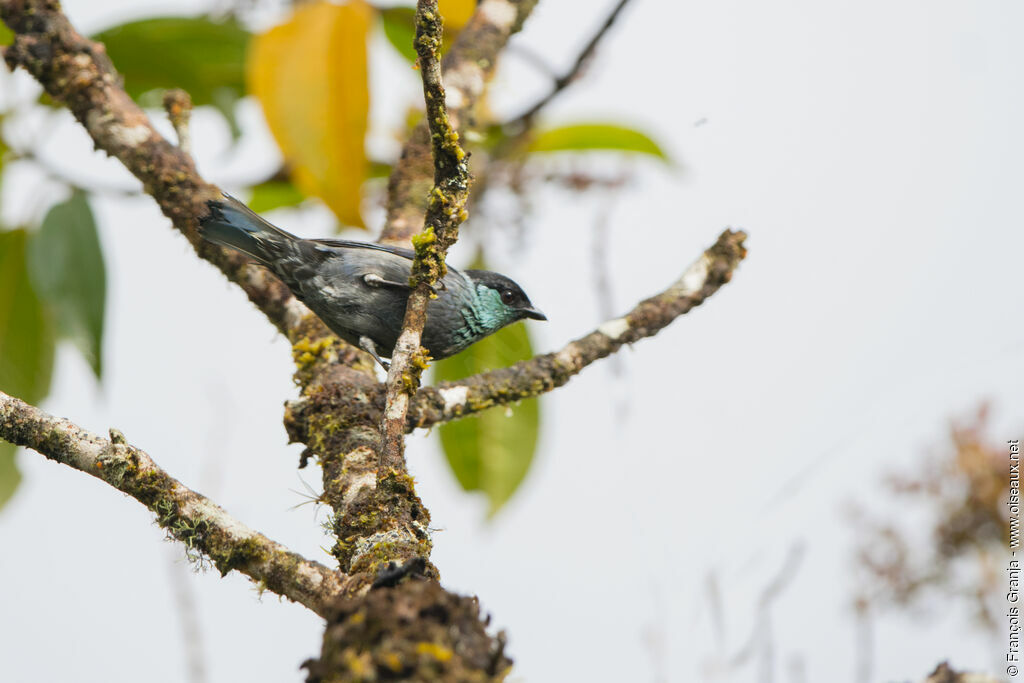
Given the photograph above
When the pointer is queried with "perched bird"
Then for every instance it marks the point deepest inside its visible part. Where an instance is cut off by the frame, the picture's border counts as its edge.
(360, 289)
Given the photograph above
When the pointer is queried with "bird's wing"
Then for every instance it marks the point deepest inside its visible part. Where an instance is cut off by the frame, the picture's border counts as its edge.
(350, 244)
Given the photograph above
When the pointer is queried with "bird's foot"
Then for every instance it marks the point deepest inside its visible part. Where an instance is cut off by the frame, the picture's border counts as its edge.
(366, 344)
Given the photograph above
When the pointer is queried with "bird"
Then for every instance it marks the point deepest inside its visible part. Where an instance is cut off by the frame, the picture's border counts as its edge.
(360, 289)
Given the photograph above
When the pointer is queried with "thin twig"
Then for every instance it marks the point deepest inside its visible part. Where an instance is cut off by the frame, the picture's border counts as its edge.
(188, 517)
(178, 105)
(526, 118)
(445, 211)
(540, 374)
(468, 66)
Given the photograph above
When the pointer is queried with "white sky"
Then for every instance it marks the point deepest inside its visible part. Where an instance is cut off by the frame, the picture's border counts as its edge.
(872, 151)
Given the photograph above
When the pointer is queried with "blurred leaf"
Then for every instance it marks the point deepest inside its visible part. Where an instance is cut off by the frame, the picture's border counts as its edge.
(274, 194)
(595, 136)
(400, 25)
(193, 53)
(65, 263)
(491, 452)
(310, 74)
(6, 34)
(10, 477)
(379, 169)
(456, 13)
(26, 332)
(205, 58)
(400, 29)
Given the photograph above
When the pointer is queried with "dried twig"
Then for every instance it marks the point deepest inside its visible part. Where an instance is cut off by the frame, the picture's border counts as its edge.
(561, 83)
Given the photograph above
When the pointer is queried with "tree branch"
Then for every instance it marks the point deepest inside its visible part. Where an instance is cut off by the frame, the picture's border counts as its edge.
(187, 516)
(78, 73)
(524, 120)
(467, 68)
(446, 209)
(540, 374)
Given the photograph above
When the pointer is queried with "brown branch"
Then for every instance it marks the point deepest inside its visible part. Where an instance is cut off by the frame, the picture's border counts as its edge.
(446, 209)
(467, 67)
(561, 83)
(540, 374)
(186, 515)
(77, 72)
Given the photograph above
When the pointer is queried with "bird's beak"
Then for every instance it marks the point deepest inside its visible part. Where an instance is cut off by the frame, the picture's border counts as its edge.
(533, 313)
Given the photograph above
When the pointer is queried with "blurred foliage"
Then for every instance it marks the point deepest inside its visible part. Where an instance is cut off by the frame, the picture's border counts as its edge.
(581, 137)
(964, 489)
(310, 74)
(65, 263)
(318, 115)
(274, 194)
(27, 342)
(399, 24)
(203, 57)
(26, 327)
(491, 452)
(10, 477)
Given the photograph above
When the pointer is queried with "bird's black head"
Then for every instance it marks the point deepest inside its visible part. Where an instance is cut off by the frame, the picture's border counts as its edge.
(508, 298)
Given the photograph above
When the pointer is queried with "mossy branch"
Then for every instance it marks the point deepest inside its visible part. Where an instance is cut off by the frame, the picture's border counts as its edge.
(540, 374)
(206, 530)
(452, 400)
(76, 72)
(467, 67)
(446, 210)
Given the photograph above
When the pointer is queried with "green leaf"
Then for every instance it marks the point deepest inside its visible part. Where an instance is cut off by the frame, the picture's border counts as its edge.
(6, 34)
(196, 54)
(400, 25)
(595, 136)
(26, 331)
(379, 169)
(274, 194)
(65, 263)
(400, 29)
(10, 477)
(491, 452)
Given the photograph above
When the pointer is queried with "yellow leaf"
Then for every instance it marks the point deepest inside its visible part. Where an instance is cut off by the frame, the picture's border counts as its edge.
(310, 75)
(456, 13)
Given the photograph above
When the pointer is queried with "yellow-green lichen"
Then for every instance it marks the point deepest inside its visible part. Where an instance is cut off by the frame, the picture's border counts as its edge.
(438, 652)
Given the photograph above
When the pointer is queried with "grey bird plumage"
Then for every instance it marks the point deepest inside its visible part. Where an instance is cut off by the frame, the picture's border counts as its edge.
(360, 289)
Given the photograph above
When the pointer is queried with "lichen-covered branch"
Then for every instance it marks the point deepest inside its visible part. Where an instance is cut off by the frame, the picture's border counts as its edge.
(467, 67)
(187, 516)
(446, 209)
(527, 379)
(562, 82)
(540, 374)
(77, 72)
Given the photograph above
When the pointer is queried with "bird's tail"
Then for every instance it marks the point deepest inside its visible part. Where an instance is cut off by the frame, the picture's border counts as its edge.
(230, 223)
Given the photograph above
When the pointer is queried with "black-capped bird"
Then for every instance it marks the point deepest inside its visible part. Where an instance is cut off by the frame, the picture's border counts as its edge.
(360, 289)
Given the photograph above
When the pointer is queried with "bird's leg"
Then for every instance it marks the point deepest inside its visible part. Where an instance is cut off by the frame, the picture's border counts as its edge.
(374, 280)
(366, 344)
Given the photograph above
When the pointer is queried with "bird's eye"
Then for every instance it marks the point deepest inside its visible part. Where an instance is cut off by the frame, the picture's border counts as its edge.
(508, 297)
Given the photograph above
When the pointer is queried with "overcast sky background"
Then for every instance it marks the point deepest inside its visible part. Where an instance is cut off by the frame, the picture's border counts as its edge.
(871, 149)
